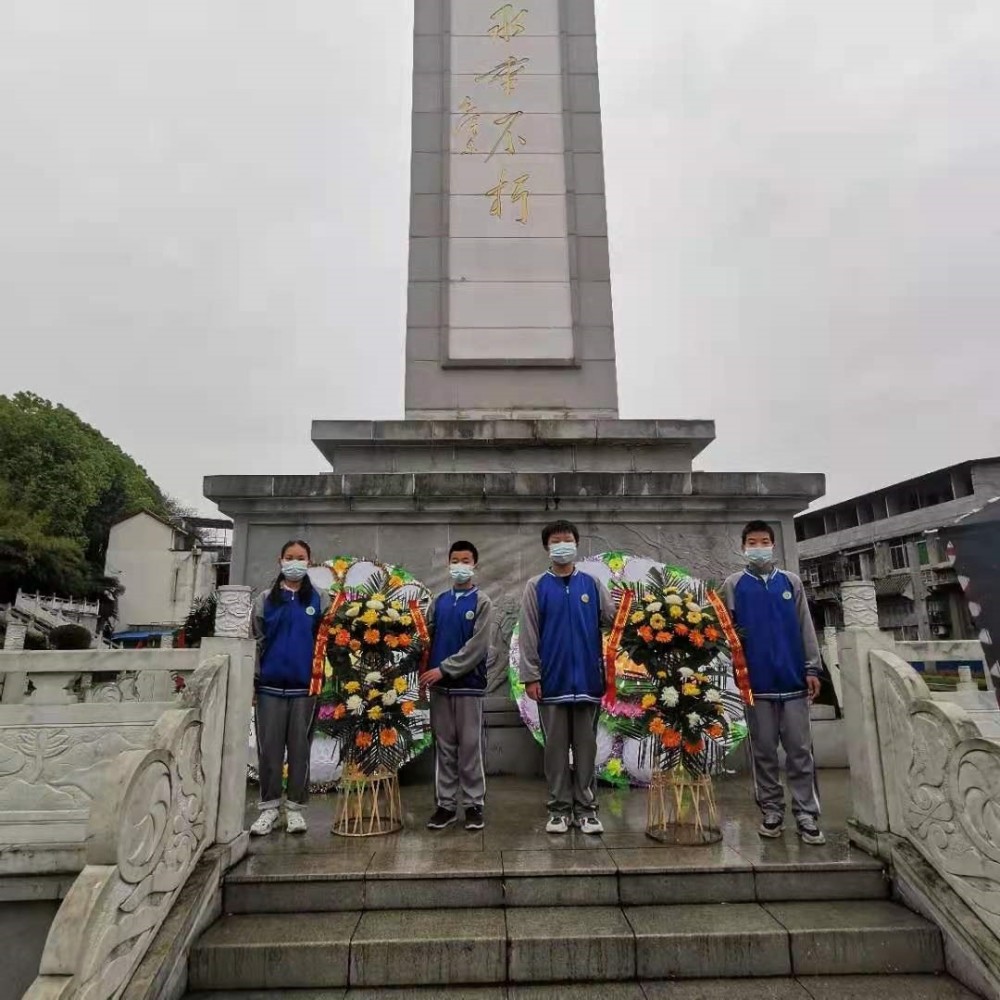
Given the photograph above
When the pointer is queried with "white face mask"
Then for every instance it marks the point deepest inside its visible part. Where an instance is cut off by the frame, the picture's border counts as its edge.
(760, 556)
(461, 572)
(562, 553)
(294, 569)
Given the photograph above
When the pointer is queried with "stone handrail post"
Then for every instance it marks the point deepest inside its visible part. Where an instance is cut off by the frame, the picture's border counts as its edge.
(831, 656)
(14, 639)
(12, 685)
(232, 638)
(860, 637)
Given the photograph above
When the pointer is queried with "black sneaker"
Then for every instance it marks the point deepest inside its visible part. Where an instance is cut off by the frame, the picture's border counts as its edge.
(773, 825)
(474, 818)
(809, 831)
(441, 819)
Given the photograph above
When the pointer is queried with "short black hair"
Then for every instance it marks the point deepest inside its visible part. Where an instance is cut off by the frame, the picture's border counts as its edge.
(559, 528)
(461, 546)
(754, 526)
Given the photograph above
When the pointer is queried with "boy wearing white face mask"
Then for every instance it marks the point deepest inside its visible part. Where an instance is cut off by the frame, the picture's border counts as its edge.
(770, 609)
(563, 613)
(460, 624)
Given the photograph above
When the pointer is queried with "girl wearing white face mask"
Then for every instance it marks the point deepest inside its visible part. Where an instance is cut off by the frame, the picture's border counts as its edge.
(286, 619)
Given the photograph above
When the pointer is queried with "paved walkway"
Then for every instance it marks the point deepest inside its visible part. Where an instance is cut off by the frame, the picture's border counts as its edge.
(515, 820)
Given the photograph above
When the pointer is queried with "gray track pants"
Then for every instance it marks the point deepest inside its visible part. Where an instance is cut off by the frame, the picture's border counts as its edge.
(284, 723)
(572, 789)
(457, 722)
(788, 722)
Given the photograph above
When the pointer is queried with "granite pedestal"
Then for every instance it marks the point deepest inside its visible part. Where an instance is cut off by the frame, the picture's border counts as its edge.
(402, 492)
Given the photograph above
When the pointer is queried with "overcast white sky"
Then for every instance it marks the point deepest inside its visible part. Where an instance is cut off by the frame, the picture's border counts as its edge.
(203, 216)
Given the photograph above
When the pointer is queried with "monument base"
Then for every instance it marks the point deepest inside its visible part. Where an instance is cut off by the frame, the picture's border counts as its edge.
(403, 491)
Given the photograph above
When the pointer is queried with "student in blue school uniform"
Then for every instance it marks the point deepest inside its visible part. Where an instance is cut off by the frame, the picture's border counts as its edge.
(460, 624)
(769, 608)
(286, 619)
(563, 612)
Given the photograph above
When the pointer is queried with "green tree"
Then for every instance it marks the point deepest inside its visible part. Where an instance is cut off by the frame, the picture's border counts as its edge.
(63, 485)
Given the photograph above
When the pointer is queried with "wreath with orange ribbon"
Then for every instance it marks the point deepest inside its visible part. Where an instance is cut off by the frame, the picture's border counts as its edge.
(366, 666)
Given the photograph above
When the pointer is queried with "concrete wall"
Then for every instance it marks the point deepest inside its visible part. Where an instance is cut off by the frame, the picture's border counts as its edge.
(24, 925)
(691, 520)
(160, 584)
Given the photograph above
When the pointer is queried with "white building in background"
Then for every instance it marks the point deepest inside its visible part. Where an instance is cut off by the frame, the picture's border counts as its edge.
(165, 567)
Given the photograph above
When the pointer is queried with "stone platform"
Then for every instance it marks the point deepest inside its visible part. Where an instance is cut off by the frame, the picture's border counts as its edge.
(513, 912)
(403, 491)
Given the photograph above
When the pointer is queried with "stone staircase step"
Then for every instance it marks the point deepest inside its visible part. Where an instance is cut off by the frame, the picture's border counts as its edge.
(846, 938)
(429, 947)
(922, 987)
(368, 879)
(740, 940)
(400, 947)
(273, 951)
(579, 944)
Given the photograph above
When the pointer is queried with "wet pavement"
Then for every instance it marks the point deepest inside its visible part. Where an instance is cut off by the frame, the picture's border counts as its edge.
(515, 821)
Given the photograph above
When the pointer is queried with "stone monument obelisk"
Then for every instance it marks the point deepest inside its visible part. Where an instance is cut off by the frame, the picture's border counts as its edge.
(511, 387)
(510, 285)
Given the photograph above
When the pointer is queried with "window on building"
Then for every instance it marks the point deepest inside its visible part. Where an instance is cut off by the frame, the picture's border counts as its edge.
(922, 554)
(906, 633)
(962, 482)
(812, 574)
(899, 556)
(938, 611)
(852, 566)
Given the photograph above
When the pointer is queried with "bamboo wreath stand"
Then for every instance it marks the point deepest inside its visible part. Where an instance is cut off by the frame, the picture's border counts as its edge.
(369, 804)
(680, 809)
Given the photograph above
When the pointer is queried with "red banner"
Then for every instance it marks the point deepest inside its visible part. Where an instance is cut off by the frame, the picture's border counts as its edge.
(319, 650)
(740, 671)
(422, 632)
(611, 653)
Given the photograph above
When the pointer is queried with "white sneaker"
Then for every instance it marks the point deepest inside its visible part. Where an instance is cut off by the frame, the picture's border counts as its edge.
(264, 823)
(591, 824)
(295, 822)
(557, 824)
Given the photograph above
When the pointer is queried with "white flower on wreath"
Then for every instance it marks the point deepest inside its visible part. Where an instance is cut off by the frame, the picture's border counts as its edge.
(686, 673)
(375, 605)
(692, 607)
(392, 614)
(670, 697)
(353, 611)
(673, 599)
(694, 719)
(390, 698)
(713, 696)
(355, 704)
(373, 678)
(654, 607)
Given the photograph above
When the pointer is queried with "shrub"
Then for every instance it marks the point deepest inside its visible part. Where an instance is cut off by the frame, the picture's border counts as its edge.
(70, 637)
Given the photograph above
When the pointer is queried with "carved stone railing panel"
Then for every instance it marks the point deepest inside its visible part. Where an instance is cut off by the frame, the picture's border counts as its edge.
(67, 677)
(232, 612)
(154, 818)
(858, 604)
(54, 760)
(942, 784)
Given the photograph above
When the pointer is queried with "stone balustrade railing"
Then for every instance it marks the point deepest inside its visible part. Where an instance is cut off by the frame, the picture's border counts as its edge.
(65, 717)
(130, 765)
(155, 813)
(925, 786)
